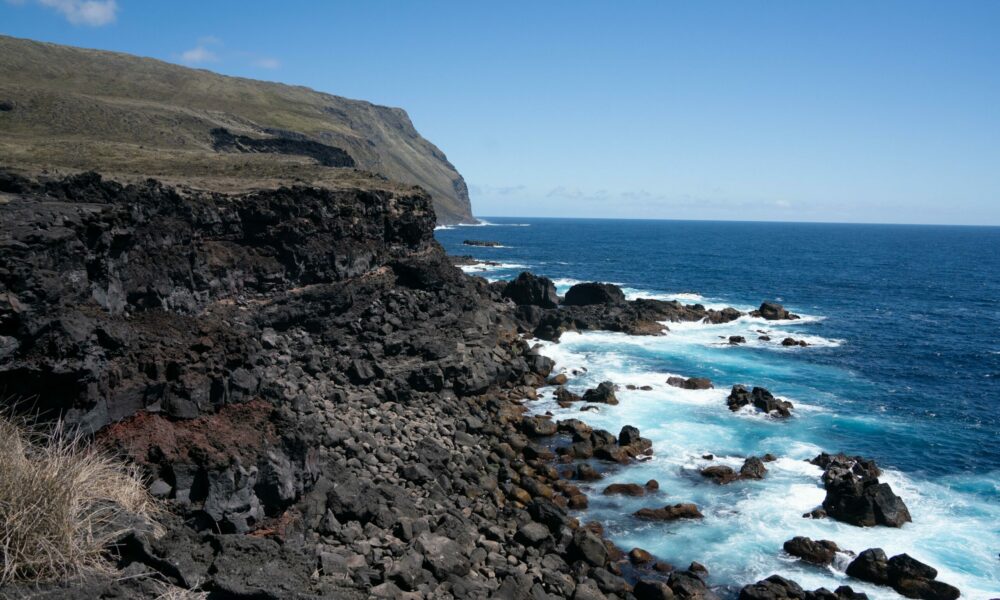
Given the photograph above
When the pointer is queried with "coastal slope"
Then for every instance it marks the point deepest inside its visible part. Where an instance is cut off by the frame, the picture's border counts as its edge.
(68, 109)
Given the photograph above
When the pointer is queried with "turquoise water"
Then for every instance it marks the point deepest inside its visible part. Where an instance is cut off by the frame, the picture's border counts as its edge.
(902, 367)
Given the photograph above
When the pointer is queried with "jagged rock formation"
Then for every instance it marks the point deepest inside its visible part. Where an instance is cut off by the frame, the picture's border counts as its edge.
(602, 306)
(325, 405)
(855, 495)
(69, 109)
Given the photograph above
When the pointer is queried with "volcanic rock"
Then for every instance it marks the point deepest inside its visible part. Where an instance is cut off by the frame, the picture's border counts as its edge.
(585, 294)
(529, 289)
(671, 512)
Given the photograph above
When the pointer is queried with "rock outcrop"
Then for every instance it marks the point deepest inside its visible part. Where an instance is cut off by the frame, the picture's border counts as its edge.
(854, 494)
(585, 294)
(777, 587)
(773, 311)
(760, 398)
(528, 289)
(903, 573)
(602, 306)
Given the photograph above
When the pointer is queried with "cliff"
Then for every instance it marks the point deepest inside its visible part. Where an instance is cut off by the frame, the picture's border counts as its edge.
(67, 110)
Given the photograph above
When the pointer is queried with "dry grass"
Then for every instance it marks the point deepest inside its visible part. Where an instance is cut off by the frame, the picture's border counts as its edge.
(170, 592)
(61, 504)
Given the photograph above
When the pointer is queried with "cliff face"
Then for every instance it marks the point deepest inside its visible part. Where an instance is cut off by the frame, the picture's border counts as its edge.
(72, 109)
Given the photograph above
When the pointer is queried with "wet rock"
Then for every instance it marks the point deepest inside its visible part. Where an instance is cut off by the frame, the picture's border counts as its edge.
(773, 311)
(688, 585)
(671, 512)
(588, 547)
(793, 342)
(760, 398)
(820, 552)
(639, 556)
(872, 566)
(737, 339)
(584, 294)
(692, 383)
(529, 289)
(854, 494)
(604, 393)
(540, 426)
(559, 379)
(585, 472)
(720, 474)
(625, 489)
(484, 243)
(753, 468)
(650, 589)
(628, 436)
(565, 397)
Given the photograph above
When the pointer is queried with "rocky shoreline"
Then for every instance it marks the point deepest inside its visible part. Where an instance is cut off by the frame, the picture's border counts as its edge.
(328, 407)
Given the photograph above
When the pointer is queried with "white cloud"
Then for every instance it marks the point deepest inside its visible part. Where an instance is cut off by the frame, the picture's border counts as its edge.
(267, 63)
(94, 13)
(199, 54)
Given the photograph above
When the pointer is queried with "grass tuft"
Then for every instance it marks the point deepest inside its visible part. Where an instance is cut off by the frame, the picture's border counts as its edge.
(62, 504)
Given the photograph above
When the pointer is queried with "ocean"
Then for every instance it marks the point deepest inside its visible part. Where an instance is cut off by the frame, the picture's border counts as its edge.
(902, 366)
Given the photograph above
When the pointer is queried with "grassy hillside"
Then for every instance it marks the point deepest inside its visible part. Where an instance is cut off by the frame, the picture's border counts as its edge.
(67, 109)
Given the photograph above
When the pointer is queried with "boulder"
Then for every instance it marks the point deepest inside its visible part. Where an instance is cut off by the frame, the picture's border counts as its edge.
(872, 566)
(793, 342)
(774, 587)
(529, 289)
(761, 398)
(671, 512)
(628, 436)
(854, 494)
(639, 556)
(586, 294)
(692, 383)
(773, 311)
(604, 393)
(720, 474)
(442, 556)
(588, 547)
(565, 397)
(538, 426)
(650, 589)
(624, 489)
(820, 552)
(753, 468)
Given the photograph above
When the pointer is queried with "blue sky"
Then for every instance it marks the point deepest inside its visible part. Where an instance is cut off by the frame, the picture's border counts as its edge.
(801, 111)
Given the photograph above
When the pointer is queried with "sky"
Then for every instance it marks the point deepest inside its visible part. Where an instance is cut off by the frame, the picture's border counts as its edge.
(841, 111)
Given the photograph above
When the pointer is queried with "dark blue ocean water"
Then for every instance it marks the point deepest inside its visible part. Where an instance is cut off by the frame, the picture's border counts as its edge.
(903, 367)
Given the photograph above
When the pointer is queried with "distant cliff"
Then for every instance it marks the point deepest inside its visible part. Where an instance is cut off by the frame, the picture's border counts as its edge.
(72, 109)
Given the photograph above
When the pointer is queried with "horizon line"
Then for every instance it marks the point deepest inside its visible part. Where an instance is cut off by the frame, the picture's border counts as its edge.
(761, 221)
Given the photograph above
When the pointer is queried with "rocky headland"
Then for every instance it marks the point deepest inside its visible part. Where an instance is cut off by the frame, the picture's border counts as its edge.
(326, 406)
